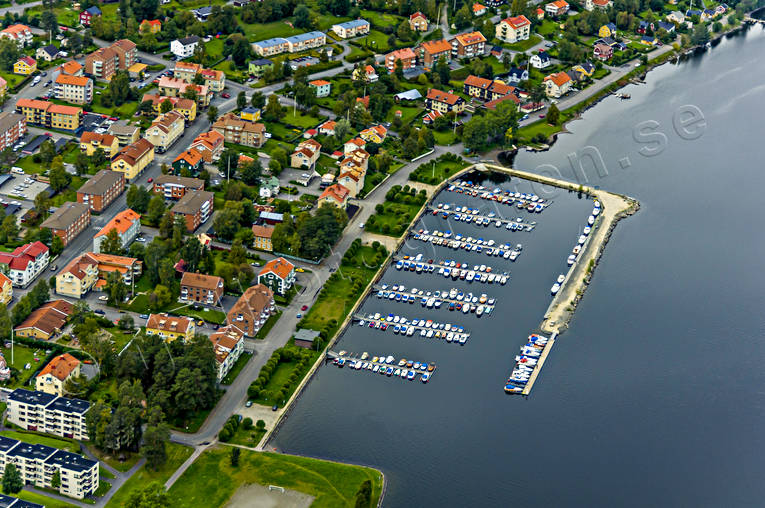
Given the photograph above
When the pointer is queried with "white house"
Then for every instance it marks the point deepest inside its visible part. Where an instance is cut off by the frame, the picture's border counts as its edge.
(278, 275)
(540, 60)
(25, 263)
(184, 48)
(228, 343)
(351, 28)
(127, 223)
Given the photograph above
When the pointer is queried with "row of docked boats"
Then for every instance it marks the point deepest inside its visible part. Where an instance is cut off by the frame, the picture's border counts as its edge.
(483, 220)
(387, 365)
(525, 363)
(425, 328)
(453, 299)
(585, 233)
(478, 245)
(522, 200)
(460, 271)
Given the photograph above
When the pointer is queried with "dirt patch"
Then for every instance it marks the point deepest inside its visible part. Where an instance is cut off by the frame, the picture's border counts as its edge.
(259, 496)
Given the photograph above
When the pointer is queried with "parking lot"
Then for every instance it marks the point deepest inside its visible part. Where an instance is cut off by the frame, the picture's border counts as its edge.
(24, 187)
(95, 122)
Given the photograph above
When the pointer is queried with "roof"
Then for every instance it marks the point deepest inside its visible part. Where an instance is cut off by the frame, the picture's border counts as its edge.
(181, 181)
(267, 43)
(103, 139)
(121, 222)
(355, 23)
(252, 302)
(438, 95)
(475, 81)
(101, 182)
(191, 202)
(58, 109)
(401, 54)
(478, 7)
(304, 37)
(93, 11)
(274, 216)
(279, 266)
(559, 78)
(9, 119)
(191, 39)
(337, 192)
(417, 14)
(60, 367)
(409, 95)
(22, 256)
(28, 60)
(603, 48)
(31, 397)
(201, 280)
(192, 156)
(15, 30)
(328, 125)
(436, 47)
(154, 22)
(319, 82)
(67, 405)
(509, 97)
(71, 461)
(306, 334)
(470, 38)
(543, 56)
(559, 4)
(167, 323)
(123, 128)
(66, 215)
(134, 151)
(517, 21)
(262, 231)
(209, 139)
(261, 61)
(50, 49)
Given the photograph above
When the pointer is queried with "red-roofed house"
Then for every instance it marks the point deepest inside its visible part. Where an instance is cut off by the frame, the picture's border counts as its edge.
(306, 154)
(321, 86)
(278, 275)
(127, 223)
(557, 84)
(514, 29)
(336, 195)
(353, 144)
(374, 134)
(557, 8)
(479, 10)
(406, 55)
(25, 263)
(209, 144)
(228, 343)
(54, 376)
(327, 128)
(418, 22)
(444, 102)
(468, 45)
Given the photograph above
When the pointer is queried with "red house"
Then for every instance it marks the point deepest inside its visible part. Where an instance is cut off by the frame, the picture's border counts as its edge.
(603, 51)
(88, 14)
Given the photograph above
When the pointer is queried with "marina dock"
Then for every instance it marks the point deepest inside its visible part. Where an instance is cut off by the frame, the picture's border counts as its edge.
(384, 365)
(470, 216)
(540, 364)
(453, 298)
(529, 364)
(451, 269)
(445, 239)
(425, 328)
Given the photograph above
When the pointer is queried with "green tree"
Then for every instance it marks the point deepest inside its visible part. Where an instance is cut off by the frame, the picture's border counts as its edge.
(212, 114)
(55, 481)
(47, 151)
(155, 440)
(234, 457)
(241, 100)
(258, 100)
(553, 115)
(153, 495)
(112, 244)
(115, 288)
(42, 203)
(9, 53)
(160, 297)
(241, 51)
(59, 178)
(165, 106)
(273, 111)
(250, 172)
(82, 163)
(99, 158)
(364, 495)
(12, 482)
(138, 198)
(155, 209)
(303, 17)
(56, 245)
(700, 34)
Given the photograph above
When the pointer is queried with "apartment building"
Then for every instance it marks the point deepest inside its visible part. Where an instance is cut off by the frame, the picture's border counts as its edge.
(38, 464)
(74, 89)
(513, 29)
(278, 275)
(72, 68)
(170, 328)
(252, 309)
(228, 344)
(44, 412)
(335, 195)
(165, 130)
(68, 221)
(195, 208)
(270, 47)
(173, 87)
(47, 114)
(22, 34)
(306, 153)
(243, 132)
(486, 89)
(185, 47)
(210, 145)
(91, 141)
(99, 191)
(352, 28)
(53, 377)
(262, 237)
(407, 57)
(25, 263)
(89, 272)
(293, 44)
(133, 159)
(46, 321)
(214, 79)
(189, 162)
(124, 132)
(430, 52)
(13, 127)
(186, 107)
(468, 45)
(175, 187)
(444, 102)
(105, 62)
(127, 223)
(201, 288)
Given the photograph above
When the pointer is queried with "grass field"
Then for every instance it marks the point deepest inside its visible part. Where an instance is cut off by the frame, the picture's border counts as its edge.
(381, 19)
(296, 118)
(122, 466)
(280, 378)
(176, 455)
(533, 40)
(236, 369)
(48, 502)
(21, 356)
(270, 322)
(46, 440)
(433, 173)
(394, 219)
(375, 41)
(211, 480)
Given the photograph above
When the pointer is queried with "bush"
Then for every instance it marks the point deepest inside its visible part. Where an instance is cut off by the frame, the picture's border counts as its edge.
(247, 424)
(260, 425)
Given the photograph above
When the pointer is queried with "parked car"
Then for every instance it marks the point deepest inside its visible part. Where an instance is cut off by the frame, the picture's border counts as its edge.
(248, 404)
(143, 316)
(99, 311)
(304, 308)
(225, 95)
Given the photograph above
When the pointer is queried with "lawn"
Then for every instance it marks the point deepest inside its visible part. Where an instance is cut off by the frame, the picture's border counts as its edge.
(270, 322)
(12, 79)
(533, 40)
(211, 481)
(236, 369)
(381, 19)
(408, 113)
(355, 55)
(541, 127)
(48, 502)
(280, 378)
(120, 465)
(247, 437)
(22, 355)
(176, 455)
(437, 171)
(262, 31)
(140, 304)
(376, 41)
(46, 440)
(548, 27)
(214, 48)
(297, 119)
(445, 138)
(394, 219)
(601, 73)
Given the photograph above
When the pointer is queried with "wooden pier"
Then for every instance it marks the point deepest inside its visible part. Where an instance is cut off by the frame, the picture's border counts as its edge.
(435, 327)
(524, 226)
(443, 299)
(540, 363)
(349, 359)
(462, 243)
(501, 197)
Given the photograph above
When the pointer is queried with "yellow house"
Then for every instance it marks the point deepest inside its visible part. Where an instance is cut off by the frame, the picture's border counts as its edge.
(45, 322)
(64, 117)
(374, 134)
(608, 30)
(353, 181)
(6, 291)
(90, 142)
(25, 65)
(251, 114)
(133, 158)
(78, 278)
(170, 328)
(54, 376)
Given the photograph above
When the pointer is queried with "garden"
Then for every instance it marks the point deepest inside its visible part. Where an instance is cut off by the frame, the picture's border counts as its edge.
(393, 217)
(440, 169)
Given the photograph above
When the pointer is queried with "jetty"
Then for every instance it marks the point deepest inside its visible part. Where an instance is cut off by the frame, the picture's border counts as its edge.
(425, 328)
(444, 239)
(521, 381)
(471, 216)
(521, 200)
(384, 365)
(453, 298)
(451, 269)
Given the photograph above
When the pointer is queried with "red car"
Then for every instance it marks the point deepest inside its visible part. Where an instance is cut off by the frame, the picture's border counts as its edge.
(150, 180)
(304, 307)
(541, 116)
(225, 95)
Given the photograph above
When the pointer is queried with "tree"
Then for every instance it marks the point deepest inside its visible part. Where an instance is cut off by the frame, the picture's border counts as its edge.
(12, 482)
(165, 106)
(212, 114)
(112, 244)
(250, 172)
(160, 297)
(99, 157)
(47, 151)
(82, 163)
(116, 288)
(553, 115)
(302, 17)
(152, 496)
(56, 245)
(234, 457)
(49, 23)
(59, 178)
(155, 439)
(191, 93)
(155, 209)
(240, 53)
(119, 87)
(9, 53)
(258, 100)
(55, 481)
(138, 198)
(273, 111)
(700, 34)
(228, 162)
(364, 495)
(41, 203)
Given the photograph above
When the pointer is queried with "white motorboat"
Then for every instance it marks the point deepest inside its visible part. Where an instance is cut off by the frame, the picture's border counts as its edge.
(555, 288)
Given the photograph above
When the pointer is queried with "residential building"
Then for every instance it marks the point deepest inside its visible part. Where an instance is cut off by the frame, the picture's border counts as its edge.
(170, 328)
(591, 5)
(209, 144)
(540, 60)
(676, 17)
(516, 75)
(104, 62)
(125, 133)
(46, 321)
(353, 181)
(201, 288)
(374, 134)
(6, 291)
(195, 208)
(74, 89)
(305, 338)
(584, 69)
(557, 84)
(22, 34)
(54, 376)
(405, 55)
(133, 159)
(486, 89)
(15, 502)
(173, 87)
(514, 29)
(479, 10)
(366, 72)
(353, 144)
(648, 40)
(86, 16)
(602, 51)
(468, 45)
(90, 270)
(25, 263)
(250, 114)
(91, 141)
(252, 309)
(557, 8)
(127, 223)
(327, 128)
(25, 66)
(13, 127)
(270, 47)
(151, 26)
(228, 344)
(243, 132)
(185, 47)
(47, 114)
(355, 160)
(306, 154)
(262, 237)
(258, 68)
(175, 187)
(351, 28)
(72, 68)
(444, 102)
(38, 464)
(278, 275)
(430, 52)
(540, 14)
(47, 53)
(669, 27)
(68, 221)
(607, 30)
(305, 41)
(100, 190)
(335, 195)
(321, 86)
(186, 107)
(269, 187)
(44, 412)
(165, 130)
(202, 13)
(418, 22)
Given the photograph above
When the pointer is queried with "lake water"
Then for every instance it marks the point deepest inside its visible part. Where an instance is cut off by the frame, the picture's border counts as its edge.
(654, 395)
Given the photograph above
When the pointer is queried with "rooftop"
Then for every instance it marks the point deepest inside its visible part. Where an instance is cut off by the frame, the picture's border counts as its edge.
(66, 215)
(102, 181)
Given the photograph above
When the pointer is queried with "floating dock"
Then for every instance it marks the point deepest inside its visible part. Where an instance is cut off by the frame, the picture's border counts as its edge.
(440, 238)
(387, 366)
(455, 299)
(521, 200)
(472, 217)
(523, 387)
(425, 328)
(452, 269)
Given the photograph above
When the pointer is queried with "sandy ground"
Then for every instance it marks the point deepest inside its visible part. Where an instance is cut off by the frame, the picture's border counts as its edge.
(258, 496)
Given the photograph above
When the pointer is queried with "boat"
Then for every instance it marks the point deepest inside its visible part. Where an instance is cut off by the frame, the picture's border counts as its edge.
(399, 265)
(513, 389)
(571, 259)
(561, 278)
(410, 376)
(591, 220)
(431, 367)
(425, 376)
(555, 288)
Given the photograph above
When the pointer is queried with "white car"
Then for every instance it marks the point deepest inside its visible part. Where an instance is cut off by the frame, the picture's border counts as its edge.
(103, 298)
(140, 239)
(361, 226)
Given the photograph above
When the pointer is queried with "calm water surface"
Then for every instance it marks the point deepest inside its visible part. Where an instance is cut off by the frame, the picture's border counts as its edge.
(654, 396)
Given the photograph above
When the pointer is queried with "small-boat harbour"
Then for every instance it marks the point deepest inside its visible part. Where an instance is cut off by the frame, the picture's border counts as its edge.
(528, 364)
(384, 365)
(423, 327)
(521, 200)
(470, 215)
(452, 299)
(479, 245)
(450, 268)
